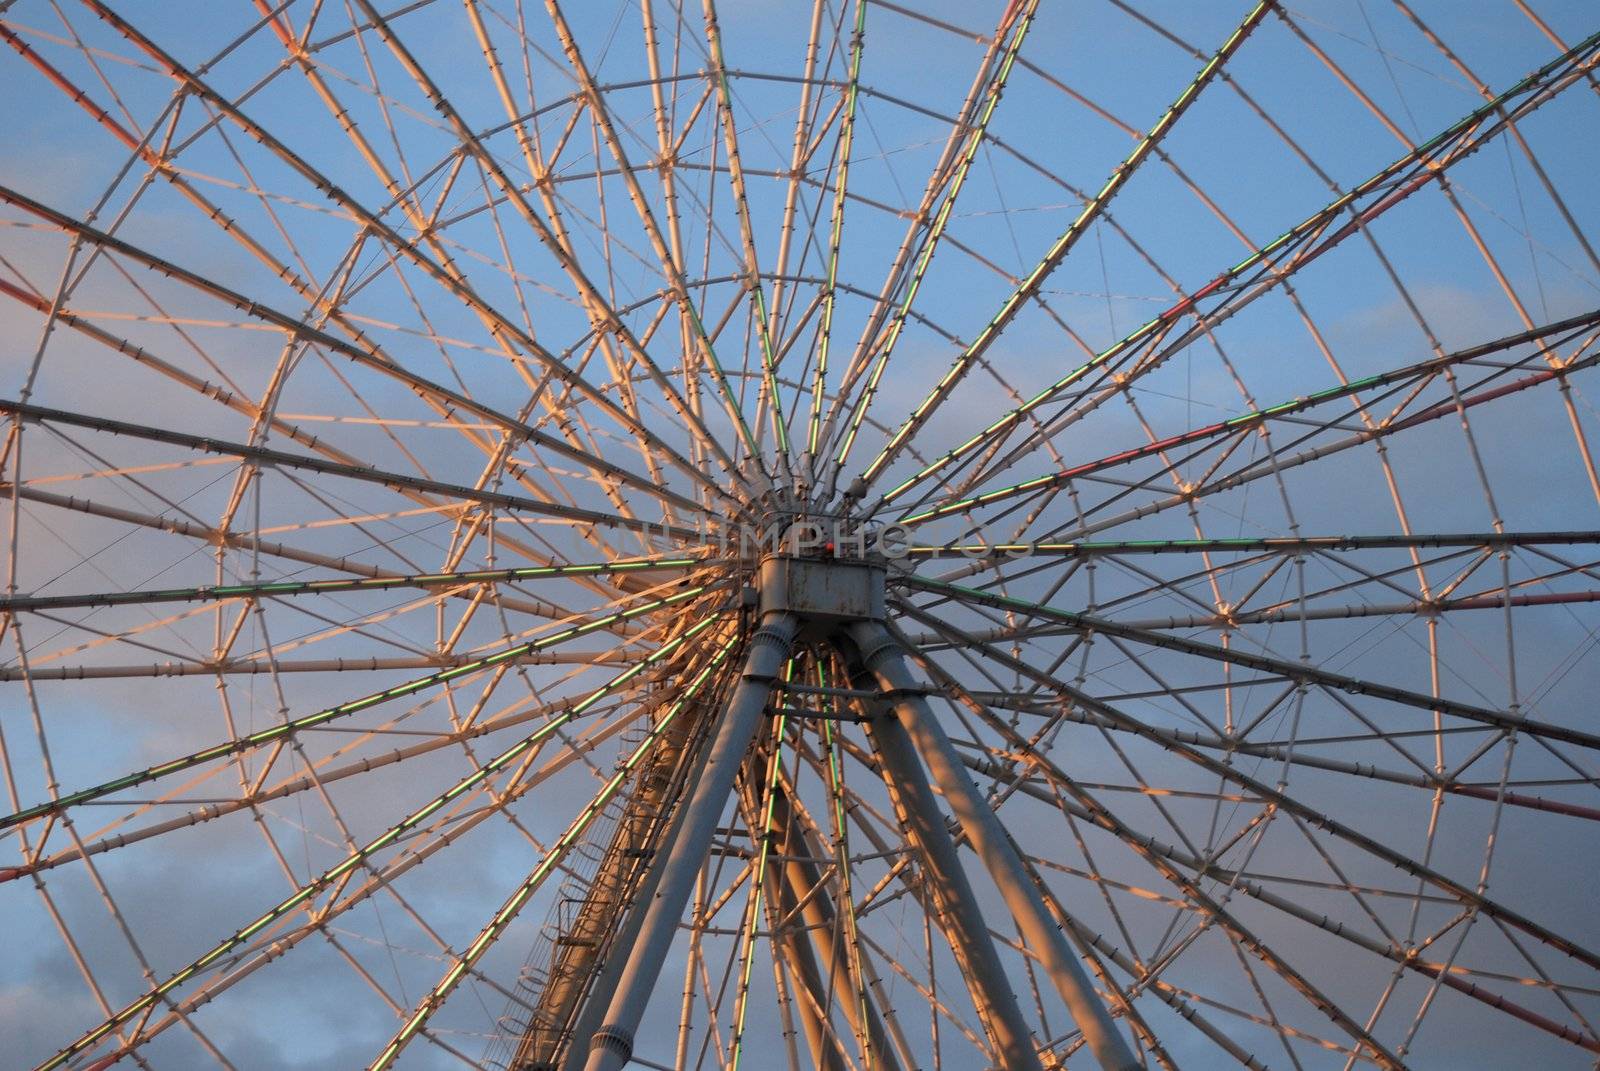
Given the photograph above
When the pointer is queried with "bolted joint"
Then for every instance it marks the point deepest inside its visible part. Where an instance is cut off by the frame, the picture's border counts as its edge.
(770, 646)
(775, 633)
(614, 1039)
(878, 651)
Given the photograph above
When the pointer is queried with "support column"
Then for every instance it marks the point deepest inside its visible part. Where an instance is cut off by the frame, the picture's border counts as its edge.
(957, 908)
(882, 657)
(592, 1012)
(612, 1044)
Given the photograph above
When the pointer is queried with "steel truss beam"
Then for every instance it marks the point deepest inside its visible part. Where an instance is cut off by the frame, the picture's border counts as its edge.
(262, 455)
(1466, 895)
(798, 878)
(804, 877)
(285, 730)
(984, 552)
(1295, 671)
(277, 589)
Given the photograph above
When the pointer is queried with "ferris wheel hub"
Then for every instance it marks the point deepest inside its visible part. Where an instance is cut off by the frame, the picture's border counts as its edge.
(822, 591)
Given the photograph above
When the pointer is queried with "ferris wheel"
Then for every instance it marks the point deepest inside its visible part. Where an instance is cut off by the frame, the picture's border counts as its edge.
(844, 534)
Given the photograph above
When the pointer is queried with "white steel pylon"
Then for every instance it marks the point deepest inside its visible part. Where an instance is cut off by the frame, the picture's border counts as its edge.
(840, 601)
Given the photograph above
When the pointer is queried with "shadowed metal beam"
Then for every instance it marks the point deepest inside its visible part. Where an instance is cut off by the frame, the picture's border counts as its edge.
(957, 905)
(611, 1045)
(280, 458)
(1295, 671)
(882, 656)
(279, 588)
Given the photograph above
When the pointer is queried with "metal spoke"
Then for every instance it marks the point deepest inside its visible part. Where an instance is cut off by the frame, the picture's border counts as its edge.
(1095, 207)
(428, 424)
(1311, 238)
(288, 729)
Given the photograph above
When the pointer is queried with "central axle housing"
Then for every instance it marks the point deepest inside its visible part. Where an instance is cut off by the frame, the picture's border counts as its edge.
(821, 593)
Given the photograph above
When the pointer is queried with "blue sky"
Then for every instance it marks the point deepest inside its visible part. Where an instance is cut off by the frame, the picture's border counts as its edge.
(1227, 181)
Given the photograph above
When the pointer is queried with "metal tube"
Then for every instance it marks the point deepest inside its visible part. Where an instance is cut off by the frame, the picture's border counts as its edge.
(612, 1044)
(794, 948)
(882, 656)
(804, 878)
(802, 964)
(956, 907)
(594, 1008)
